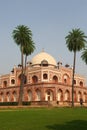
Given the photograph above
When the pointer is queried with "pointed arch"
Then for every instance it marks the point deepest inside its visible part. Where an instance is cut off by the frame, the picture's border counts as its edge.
(79, 96)
(19, 79)
(45, 76)
(14, 96)
(67, 95)
(12, 81)
(66, 79)
(55, 79)
(2, 97)
(81, 83)
(60, 95)
(29, 94)
(74, 81)
(84, 96)
(49, 95)
(34, 79)
(38, 95)
(75, 96)
(8, 96)
(4, 84)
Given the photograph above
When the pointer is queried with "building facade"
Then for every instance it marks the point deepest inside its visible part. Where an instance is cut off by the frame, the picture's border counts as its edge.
(45, 80)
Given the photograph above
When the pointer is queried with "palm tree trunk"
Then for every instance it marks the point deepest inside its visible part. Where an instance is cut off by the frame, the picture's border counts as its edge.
(73, 78)
(22, 81)
(25, 62)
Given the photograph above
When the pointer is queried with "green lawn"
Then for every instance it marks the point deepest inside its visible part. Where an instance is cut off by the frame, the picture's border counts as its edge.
(44, 119)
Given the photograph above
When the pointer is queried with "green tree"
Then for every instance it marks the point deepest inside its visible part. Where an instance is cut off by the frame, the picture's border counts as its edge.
(28, 50)
(22, 36)
(75, 41)
(84, 55)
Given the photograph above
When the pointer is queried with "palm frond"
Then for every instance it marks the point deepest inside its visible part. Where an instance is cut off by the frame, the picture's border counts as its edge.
(84, 55)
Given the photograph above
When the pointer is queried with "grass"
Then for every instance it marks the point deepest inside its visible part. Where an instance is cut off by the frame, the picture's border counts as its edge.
(43, 119)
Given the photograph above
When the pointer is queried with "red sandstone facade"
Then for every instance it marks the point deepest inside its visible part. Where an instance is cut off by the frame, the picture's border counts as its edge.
(45, 80)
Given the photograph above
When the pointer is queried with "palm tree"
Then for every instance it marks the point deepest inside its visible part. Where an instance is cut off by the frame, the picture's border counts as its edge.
(84, 55)
(75, 41)
(28, 50)
(22, 36)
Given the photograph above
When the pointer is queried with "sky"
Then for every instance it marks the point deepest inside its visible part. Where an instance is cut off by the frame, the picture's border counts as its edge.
(50, 22)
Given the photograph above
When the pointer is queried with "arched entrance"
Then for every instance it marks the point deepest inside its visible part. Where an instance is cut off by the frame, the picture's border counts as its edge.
(79, 96)
(8, 96)
(84, 97)
(34, 79)
(67, 95)
(49, 95)
(55, 79)
(2, 97)
(60, 95)
(29, 95)
(38, 95)
(24, 79)
(14, 96)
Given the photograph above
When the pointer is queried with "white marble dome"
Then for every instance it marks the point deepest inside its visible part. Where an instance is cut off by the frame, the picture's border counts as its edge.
(43, 56)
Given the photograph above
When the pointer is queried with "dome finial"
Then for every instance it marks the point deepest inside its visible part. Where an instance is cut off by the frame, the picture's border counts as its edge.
(42, 49)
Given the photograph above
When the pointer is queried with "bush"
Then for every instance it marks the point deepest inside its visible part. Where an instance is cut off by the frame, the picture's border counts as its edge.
(8, 103)
(26, 103)
(13, 103)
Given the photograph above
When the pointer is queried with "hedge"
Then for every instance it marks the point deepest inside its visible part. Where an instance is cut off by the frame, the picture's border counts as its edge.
(13, 103)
